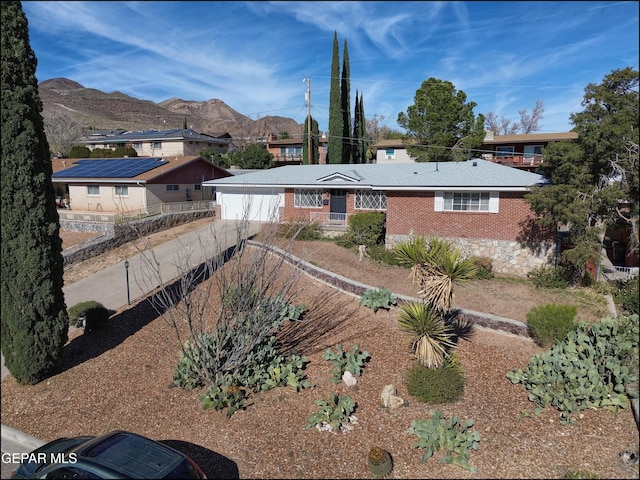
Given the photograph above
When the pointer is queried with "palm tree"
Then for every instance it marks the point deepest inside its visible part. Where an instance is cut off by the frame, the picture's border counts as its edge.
(431, 336)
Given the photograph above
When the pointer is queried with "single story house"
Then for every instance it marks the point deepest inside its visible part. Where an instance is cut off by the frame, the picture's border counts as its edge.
(159, 143)
(477, 203)
(132, 184)
(522, 151)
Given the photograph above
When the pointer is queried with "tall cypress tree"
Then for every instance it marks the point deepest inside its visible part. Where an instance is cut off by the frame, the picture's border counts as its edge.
(363, 144)
(356, 128)
(359, 132)
(314, 142)
(34, 318)
(334, 147)
(345, 99)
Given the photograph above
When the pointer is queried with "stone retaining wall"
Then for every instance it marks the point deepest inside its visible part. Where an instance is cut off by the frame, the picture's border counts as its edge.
(485, 320)
(115, 235)
(509, 258)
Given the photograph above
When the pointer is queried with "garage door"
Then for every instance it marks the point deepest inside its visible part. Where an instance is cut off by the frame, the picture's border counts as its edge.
(262, 205)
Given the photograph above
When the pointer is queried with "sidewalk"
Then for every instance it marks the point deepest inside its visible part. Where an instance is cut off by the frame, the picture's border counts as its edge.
(109, 286)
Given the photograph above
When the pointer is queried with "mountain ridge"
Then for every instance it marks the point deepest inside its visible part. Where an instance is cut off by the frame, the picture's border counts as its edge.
(97, 110)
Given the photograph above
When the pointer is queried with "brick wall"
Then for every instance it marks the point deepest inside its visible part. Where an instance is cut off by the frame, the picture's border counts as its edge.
(413, 213)
(498, 236)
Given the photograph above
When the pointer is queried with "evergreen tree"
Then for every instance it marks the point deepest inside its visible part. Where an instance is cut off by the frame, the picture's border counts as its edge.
(184, 123)
(359, 132)
(590, 177)
(314, 142)
(441, 125)
(362, 133)
(345, 99)
(34, 318)
(334, 148)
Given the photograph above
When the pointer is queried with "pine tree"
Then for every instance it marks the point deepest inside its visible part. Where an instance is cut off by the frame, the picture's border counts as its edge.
(334, 148)
(345, 99)
(34, 318)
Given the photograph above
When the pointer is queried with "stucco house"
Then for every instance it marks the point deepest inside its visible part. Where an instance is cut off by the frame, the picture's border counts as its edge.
(133, 184)
(159, 143)
(477, 203)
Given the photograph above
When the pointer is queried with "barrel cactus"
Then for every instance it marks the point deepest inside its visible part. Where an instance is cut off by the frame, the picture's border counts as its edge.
(379, 461)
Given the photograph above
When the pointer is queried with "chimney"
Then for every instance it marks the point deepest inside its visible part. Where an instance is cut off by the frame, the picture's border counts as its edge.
(488, 135)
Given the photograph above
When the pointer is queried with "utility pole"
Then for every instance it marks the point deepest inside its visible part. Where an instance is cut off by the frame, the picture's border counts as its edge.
(309, 140)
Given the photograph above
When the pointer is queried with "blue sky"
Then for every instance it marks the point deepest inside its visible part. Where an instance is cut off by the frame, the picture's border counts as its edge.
(254, 55)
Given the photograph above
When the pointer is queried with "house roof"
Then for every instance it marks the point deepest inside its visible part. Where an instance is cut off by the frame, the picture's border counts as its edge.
(497, 139)
(477, 174)
(531, 137)
(112, 136)
(134, 169)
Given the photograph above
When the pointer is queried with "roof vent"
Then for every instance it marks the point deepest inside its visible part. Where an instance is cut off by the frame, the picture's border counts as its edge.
(475, 164)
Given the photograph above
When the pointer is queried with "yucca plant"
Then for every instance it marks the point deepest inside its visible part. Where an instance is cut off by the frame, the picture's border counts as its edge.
(443, 268)
(412, 253)
(431, 336)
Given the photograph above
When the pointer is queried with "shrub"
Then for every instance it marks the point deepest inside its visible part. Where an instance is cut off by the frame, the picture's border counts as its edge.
(91, 311)
(627, 296)
(548, 323)
(436, 385)
(586, 370)
(484, 267)
(204, 360)
(335, 414)
(548, 276)
(300, 230)
(377, 299)
(450, 435)
(78, 151)
(352, 361)
(366, 228)
(382, 254)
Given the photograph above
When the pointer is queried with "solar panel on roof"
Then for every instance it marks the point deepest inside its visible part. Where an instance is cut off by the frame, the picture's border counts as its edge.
(110, 168)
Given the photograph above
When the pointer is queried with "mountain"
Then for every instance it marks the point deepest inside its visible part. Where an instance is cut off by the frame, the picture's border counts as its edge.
(95, 109)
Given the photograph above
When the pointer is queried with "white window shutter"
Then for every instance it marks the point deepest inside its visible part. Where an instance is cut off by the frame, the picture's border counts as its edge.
(494, 202)
(438, 202)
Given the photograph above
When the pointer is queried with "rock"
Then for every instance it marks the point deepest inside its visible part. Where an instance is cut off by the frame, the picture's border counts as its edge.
(349, 379)
(389, 399)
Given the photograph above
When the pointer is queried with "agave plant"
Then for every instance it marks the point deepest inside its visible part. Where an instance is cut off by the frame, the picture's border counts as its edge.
(430, 335)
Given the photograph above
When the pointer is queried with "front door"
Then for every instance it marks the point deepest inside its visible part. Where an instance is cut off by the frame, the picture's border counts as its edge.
(338, 206)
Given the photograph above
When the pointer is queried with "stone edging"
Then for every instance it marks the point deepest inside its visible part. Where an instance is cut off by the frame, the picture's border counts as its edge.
(352, 287)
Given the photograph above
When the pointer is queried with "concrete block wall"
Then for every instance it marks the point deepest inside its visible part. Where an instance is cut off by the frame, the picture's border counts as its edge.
(115, 235)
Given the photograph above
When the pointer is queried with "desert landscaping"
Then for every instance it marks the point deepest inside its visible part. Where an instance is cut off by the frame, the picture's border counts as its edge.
(119, 378)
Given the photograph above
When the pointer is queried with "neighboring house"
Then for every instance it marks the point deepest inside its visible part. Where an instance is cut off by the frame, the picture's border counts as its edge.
(392, 151)
(288, 151)
(118, 185)
(522, 151)
(477, 203)
(155, 143)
